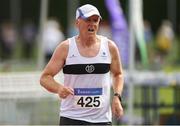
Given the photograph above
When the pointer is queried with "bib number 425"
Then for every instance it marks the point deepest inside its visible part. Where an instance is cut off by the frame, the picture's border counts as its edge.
(89, 101)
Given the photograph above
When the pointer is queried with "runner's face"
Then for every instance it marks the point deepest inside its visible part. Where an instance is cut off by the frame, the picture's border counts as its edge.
(89, 26)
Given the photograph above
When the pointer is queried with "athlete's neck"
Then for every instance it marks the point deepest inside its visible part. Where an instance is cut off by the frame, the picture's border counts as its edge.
(87, 41)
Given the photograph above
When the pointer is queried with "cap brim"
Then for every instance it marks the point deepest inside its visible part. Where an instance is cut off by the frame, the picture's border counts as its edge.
(91, 14)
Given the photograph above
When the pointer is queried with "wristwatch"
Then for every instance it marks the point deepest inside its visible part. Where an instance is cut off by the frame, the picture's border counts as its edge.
(118, 95)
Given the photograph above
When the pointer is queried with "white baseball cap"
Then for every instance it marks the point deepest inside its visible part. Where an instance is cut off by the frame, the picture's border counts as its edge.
(87, 11)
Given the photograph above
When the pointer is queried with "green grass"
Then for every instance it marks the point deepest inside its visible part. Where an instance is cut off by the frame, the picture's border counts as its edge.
(166, 96)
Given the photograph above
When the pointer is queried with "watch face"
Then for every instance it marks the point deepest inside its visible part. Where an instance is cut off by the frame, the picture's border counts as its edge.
(118, 95)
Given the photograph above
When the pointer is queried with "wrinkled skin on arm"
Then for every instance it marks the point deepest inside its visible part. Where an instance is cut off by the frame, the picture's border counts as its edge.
(118, 81)
(55, 64)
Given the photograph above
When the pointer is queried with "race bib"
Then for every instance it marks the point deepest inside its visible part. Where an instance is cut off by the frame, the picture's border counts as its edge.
(88, 97)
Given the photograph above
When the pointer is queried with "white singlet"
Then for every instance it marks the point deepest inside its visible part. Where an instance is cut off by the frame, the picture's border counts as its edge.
(90, 79)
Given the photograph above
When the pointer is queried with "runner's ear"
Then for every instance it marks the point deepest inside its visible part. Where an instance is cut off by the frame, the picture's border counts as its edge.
(77, 22)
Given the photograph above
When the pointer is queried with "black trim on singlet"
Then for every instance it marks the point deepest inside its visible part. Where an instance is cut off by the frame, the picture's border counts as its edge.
(98, 68)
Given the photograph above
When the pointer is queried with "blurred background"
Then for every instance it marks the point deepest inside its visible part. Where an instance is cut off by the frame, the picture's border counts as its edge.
(147, 33)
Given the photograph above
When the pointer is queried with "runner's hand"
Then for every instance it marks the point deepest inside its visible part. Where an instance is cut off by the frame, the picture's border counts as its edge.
(117, 108)
(63, 92)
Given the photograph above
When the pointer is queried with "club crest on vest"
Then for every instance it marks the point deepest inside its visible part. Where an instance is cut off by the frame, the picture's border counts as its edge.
(89, 68)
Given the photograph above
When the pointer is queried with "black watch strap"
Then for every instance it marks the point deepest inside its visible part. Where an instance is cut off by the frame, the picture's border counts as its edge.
(118, 95)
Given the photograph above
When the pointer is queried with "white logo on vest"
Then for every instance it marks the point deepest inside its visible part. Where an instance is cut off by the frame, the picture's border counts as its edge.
(90, 68)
